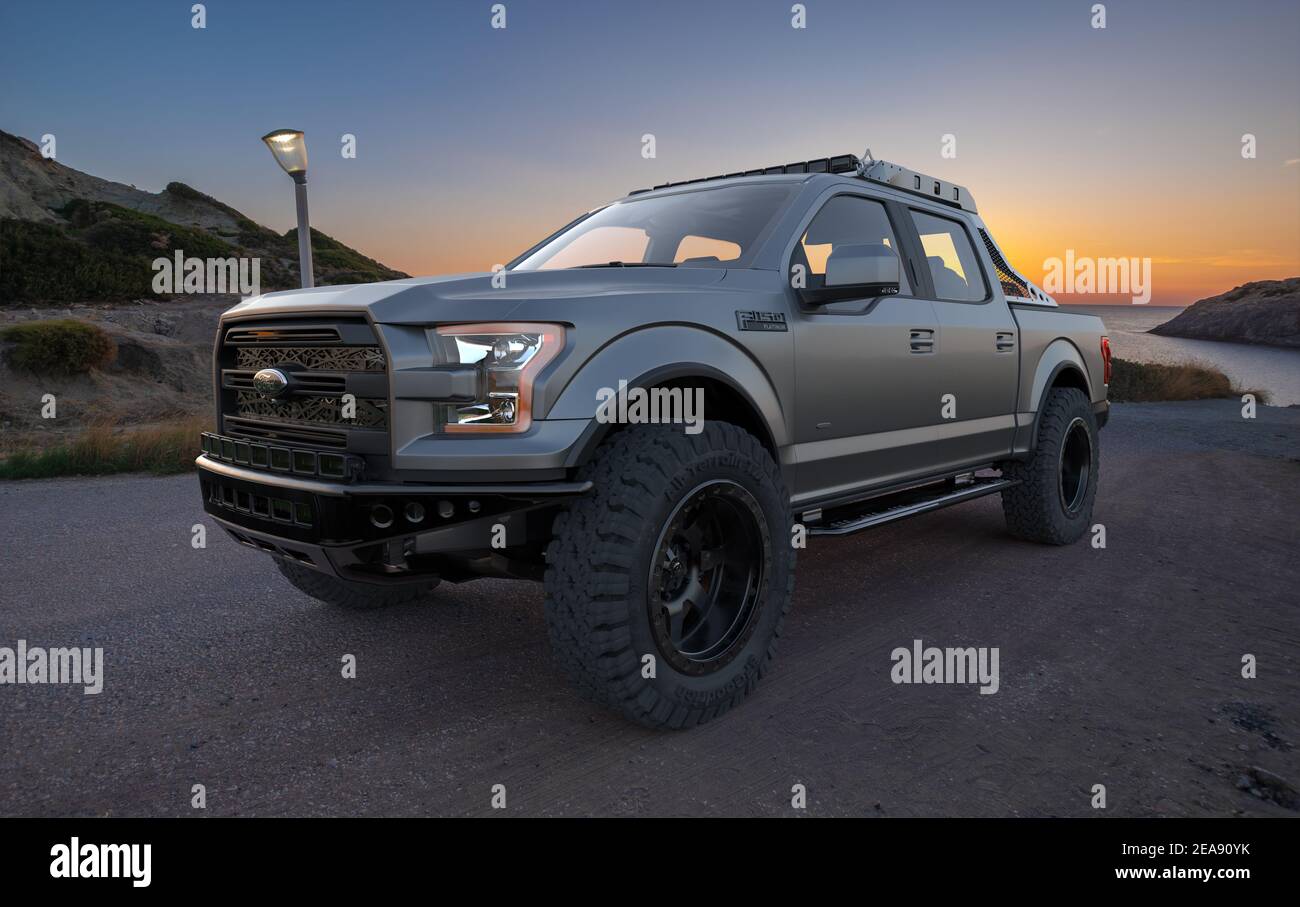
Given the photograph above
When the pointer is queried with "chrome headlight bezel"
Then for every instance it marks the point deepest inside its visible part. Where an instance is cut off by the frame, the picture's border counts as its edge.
(510, 355)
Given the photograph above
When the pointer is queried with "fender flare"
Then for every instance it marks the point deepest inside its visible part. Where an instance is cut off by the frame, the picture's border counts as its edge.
(1061, 355)
(638, 358)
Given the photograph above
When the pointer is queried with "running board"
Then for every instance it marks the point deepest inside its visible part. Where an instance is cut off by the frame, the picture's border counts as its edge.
(860, 521)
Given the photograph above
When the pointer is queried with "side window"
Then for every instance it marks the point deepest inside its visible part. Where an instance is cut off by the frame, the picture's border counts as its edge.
(845, 220)
(953, 266)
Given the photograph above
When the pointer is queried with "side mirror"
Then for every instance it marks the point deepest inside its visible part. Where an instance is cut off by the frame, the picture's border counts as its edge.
(857, 272)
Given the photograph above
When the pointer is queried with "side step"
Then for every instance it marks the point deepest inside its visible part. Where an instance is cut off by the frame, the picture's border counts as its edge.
(888, 510)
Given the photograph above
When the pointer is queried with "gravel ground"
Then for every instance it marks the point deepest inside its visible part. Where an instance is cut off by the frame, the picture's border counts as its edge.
(1119, 666)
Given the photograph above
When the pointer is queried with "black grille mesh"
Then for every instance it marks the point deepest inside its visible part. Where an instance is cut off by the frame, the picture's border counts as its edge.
(312, 410)
(336, 359)
(1012, 286)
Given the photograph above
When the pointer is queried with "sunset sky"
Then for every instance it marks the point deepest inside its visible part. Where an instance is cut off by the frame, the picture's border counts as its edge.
(473, 142)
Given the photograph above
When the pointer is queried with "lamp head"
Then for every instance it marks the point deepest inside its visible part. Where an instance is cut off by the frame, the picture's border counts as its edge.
(289, 146)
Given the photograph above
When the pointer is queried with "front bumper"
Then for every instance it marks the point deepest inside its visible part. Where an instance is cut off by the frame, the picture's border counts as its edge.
(382, 532)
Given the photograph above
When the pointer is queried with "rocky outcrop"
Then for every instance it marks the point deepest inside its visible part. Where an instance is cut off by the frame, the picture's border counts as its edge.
(1263, 311)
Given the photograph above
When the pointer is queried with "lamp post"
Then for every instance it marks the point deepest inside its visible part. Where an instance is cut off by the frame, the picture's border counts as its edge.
(290, 149)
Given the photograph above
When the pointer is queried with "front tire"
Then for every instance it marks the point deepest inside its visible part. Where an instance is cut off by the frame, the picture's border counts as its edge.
(354, 596)
(1053, 502)
(681, 552)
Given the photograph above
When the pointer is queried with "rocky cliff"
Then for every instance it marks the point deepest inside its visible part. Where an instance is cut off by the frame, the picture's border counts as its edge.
(1263, 311)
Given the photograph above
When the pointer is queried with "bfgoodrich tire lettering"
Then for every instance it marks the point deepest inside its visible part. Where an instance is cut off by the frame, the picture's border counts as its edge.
(600, 604)
(1053, 502)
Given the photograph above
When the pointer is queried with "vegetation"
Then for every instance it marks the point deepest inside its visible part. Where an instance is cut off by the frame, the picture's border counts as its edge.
(1147, 382)
(105, 252)
(58, 347)
(100, 450)
(343, 263)
(46, 263)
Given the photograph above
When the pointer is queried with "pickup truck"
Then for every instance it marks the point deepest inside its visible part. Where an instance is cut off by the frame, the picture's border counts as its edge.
(650, 412)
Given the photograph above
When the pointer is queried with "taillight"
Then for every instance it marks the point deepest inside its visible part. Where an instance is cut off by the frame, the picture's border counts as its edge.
(1105, 360)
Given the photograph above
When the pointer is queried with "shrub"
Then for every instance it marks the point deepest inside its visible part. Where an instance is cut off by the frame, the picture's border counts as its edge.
(59, 347)
(1149, 382)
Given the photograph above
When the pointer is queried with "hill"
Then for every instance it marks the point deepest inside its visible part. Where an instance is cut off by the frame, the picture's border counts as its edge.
(68, 236)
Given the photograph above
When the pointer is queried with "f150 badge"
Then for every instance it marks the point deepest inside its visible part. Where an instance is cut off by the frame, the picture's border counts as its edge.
(760, 321)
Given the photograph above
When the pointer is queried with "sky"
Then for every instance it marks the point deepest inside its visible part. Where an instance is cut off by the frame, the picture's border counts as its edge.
(472, 142)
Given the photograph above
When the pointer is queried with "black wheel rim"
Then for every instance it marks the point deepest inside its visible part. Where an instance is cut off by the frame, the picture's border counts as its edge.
(707, 576)
(1076, 466)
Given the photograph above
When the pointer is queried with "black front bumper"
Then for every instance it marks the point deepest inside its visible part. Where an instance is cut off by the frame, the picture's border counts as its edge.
(462, 530)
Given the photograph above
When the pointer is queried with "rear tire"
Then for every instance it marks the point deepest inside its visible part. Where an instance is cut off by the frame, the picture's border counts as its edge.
(1053, 502)
(682, 552)
(354, 596)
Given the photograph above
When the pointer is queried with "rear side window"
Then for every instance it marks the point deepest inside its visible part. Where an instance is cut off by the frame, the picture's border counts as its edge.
(951, 258)
(845, 220)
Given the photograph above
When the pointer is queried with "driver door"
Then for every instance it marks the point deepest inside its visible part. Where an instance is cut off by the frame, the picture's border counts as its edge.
(865, 385)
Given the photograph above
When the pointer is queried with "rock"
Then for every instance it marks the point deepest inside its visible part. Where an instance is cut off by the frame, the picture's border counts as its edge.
(1263, 311)
(135, 357)
(1268, 786)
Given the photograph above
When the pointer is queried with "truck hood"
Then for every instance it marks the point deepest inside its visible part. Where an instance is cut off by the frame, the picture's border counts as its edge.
(527, 295)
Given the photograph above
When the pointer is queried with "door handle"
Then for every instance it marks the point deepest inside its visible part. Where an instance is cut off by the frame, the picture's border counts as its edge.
(922, 340)
(1006, 341)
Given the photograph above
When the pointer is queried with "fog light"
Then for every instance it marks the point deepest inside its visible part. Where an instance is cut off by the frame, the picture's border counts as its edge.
(332, 465)
(381, 516)
(414, 513)
(445, 509)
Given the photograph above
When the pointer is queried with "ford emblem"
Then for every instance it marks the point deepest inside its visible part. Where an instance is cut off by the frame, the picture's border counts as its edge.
(270, 382)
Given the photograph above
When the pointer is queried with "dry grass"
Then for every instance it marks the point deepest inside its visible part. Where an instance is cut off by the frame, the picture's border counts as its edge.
(164, 448)
(1146, 382)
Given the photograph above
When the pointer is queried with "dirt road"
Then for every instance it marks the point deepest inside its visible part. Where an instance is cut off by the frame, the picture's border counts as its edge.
(1119, 666)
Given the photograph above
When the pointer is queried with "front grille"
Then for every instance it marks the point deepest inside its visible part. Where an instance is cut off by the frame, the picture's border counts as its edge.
(338, 359)
(329, 362)
(283, 334)
(311, 410)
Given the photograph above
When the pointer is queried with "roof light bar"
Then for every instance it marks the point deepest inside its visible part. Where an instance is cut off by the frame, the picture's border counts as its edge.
(866, 167)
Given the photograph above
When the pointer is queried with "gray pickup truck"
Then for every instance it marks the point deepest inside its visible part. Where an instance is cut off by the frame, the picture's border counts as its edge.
(649, 412)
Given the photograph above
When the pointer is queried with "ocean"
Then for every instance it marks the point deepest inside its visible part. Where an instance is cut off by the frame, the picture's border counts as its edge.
(1270, 368)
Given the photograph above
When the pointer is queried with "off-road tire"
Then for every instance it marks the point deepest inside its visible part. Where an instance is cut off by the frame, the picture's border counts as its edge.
(1035, 509)
(598, 588)
(356, 596)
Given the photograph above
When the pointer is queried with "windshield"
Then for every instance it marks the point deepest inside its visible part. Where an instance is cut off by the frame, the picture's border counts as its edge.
(707, 228)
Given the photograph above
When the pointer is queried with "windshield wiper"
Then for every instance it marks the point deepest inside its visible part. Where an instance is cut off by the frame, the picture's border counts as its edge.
(633, 264)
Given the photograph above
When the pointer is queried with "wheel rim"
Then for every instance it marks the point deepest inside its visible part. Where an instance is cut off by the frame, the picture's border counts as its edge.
(1076, 466)
(707, 576)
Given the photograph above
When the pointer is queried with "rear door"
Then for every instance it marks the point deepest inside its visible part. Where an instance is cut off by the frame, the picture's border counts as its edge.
(863, 367)
(976, 357)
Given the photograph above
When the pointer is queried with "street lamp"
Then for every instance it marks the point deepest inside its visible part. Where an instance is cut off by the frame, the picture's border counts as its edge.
(290, 149)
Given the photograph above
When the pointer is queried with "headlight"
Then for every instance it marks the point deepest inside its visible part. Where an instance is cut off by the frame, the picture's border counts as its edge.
(510, 355)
